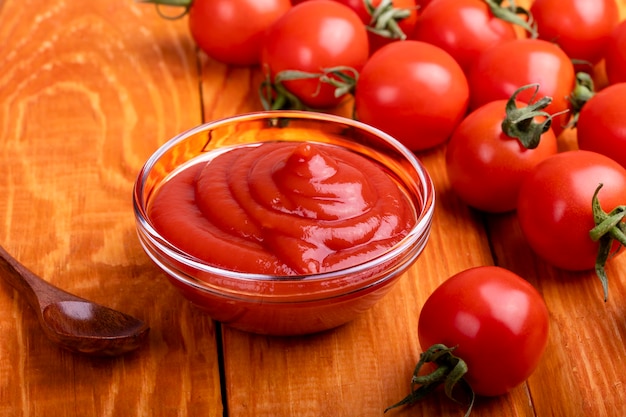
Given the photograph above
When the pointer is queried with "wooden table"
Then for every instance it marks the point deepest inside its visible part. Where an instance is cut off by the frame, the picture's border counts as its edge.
(88, 90)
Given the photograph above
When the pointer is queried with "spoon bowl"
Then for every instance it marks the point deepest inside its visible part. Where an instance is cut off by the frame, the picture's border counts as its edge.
(74, 323)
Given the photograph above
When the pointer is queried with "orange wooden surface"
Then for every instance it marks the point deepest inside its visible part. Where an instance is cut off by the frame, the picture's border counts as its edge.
(88, 90)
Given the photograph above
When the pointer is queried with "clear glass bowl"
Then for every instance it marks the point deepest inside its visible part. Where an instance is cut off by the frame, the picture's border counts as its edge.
(285, 305)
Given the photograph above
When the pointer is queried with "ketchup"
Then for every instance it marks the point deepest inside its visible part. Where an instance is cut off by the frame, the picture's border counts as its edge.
(282, 208)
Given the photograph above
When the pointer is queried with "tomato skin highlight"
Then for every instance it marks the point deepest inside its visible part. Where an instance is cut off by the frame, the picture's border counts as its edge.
(463, 28)
(485, 166)
(615, 55)
(310, 37)
(414, 91)
(499, 71)
(232, 31)
(580, 27)
(498, 321)
(601, 124)
(554, 207)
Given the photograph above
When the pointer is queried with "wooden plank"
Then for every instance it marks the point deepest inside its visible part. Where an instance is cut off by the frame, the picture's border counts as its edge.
(88, 90)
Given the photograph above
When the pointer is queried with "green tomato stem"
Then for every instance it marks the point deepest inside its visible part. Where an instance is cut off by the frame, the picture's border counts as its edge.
(520, 122)
(511, 14)
(275, 96)
(583, 91)
(385, 18)
(610, 227)
(449, 372)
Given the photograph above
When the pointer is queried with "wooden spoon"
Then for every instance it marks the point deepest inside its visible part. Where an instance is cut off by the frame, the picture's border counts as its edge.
(75, 323)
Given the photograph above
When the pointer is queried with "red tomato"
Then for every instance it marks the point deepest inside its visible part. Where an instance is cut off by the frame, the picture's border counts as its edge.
(615, 55)
(498, 321)
(414, 91)
(581, 27)
(232, 31)
(486, 166)
(463, 28)
(499, 71)
(394, 20)
(601, 123)
(555, 206)
(311, 37)
(386, 21)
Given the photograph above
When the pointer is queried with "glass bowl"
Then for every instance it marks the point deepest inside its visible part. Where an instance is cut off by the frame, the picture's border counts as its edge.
(292, 304)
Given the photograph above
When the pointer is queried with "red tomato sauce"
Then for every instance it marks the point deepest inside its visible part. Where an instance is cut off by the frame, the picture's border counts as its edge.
(283, 208)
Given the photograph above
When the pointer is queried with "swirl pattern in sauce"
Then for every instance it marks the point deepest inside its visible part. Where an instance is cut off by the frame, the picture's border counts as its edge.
(283, 208)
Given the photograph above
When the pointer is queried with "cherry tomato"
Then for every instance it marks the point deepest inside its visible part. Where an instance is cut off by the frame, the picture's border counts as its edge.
(311, 37)
(414, 91)
(463, 28)
(580, 27)
(499, 71)
(555, 206)
(601, 123)
(387, 21)
(615, 55)
(232, 31)
(498, 322)
(486, 166)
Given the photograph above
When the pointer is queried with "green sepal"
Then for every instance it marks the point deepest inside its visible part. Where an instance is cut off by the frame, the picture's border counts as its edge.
(511, 14)
(450, 371)
(609, 227)
(385, 18)
(583, 91)
(275, 96)
(520, 122)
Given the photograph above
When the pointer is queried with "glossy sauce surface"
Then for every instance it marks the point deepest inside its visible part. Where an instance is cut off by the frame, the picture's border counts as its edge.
(283, 208)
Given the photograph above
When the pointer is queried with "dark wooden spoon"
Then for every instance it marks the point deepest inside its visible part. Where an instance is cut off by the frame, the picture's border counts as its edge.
(75, 323)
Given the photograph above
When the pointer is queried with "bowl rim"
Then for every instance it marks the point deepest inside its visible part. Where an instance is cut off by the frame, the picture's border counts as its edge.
(421, 227)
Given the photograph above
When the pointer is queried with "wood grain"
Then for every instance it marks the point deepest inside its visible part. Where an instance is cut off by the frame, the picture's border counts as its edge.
(88, 90)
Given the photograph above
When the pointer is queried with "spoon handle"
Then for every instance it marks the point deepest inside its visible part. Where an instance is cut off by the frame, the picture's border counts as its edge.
(38, 292)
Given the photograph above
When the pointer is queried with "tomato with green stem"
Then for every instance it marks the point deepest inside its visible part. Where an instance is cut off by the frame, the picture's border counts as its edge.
(566, 197)
(385, 20)
(486, 328)
(414, 91)
(495, 148)
(308, 49)
(230, 31)
(465, 28)
(499, 71)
